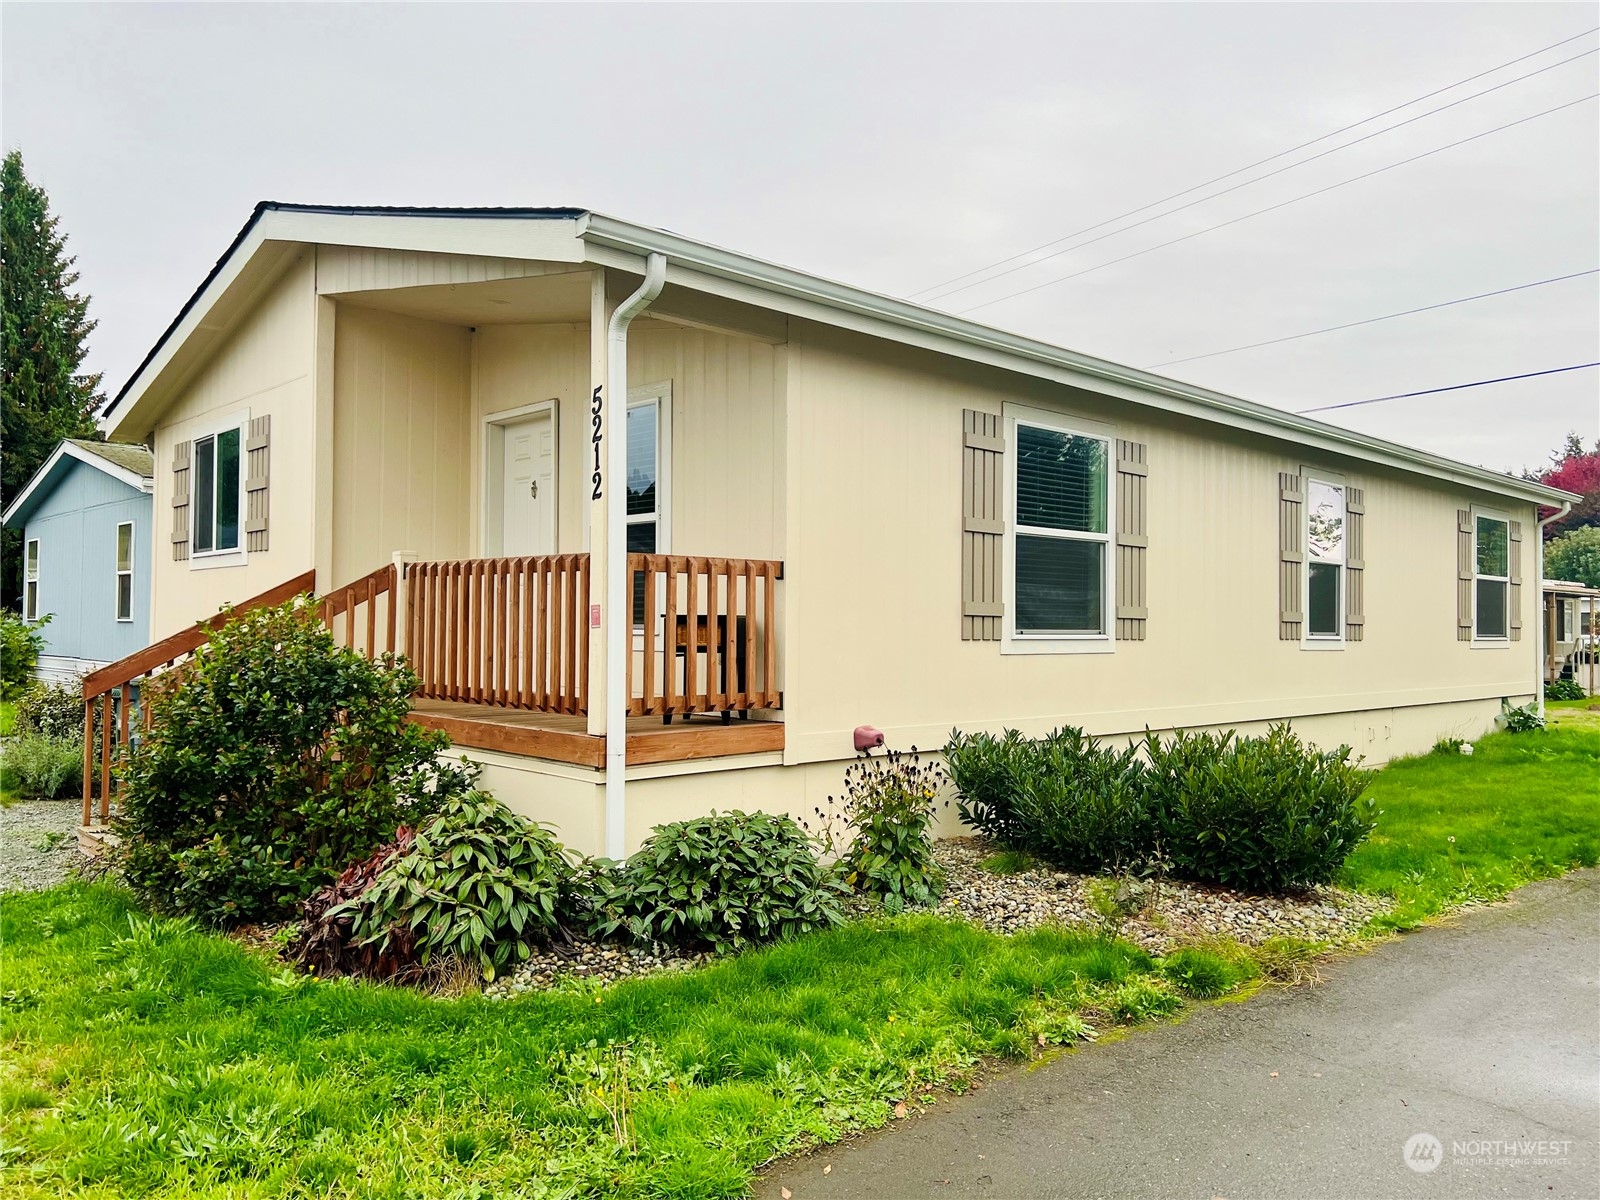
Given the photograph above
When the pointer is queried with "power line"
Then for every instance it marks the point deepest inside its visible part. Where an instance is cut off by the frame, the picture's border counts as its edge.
(1521, 287)
(1452, 388)
(1281, 204)
(1263, 161)
(1257, 179)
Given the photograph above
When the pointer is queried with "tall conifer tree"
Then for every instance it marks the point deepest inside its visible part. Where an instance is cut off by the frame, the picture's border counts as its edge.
(46, 396)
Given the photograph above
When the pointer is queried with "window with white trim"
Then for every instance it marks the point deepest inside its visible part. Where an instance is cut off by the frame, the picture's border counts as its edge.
(125, 571)
(1325, 582)
(218, 492)
(30, 582)
(644, 487)
(1491, 584)
(1060, 532)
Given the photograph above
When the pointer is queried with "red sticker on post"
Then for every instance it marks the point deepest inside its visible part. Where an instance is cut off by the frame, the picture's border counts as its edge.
(594, 616)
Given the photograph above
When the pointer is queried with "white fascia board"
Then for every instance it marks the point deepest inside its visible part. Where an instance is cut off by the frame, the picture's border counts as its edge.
(67, 450)
(738, 277)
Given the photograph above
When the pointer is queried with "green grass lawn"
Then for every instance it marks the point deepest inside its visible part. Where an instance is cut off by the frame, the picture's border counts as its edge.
(1456, 828)
(147, 1058)
(8, 717)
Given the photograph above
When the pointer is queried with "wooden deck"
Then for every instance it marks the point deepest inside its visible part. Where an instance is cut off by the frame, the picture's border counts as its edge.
(562, 738)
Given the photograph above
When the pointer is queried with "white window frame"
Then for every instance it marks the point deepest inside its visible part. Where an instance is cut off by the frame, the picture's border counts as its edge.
(1104, 642)
(659, 395)
(116, 599)
(1336, 640)
(1492, 641)
(32, 567)
(202, 560)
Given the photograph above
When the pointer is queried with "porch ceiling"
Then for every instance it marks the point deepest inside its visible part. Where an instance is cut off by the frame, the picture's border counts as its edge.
(542, 299)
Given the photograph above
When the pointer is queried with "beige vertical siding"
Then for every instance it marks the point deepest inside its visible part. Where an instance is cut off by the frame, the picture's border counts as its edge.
(401, 444)
(359, 269)
(263, 369)
(874, 554)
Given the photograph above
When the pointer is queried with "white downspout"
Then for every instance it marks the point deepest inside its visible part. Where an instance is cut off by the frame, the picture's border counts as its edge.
(1538, 560)
(618, 626)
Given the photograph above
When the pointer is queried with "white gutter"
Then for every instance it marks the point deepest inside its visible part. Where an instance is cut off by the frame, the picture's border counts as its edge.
(1538, 560)
(618, 625)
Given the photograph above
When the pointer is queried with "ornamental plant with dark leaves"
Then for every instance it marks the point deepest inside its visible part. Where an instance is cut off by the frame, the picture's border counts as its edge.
(725, 881)
(887, 809)
(478, 881)
(273, 759)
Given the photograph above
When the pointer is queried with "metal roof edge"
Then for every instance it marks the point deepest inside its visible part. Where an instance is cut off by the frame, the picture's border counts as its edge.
(68, 448)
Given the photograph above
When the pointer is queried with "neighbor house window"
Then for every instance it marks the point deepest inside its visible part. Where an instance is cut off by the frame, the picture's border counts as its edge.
(644, 489)
(30, 582)
(1324, 559)
(125, 571)
(216, 492)
(1060, 537)
(1492, 585)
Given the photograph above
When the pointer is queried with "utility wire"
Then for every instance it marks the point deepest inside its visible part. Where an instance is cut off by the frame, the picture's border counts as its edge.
(1260, 162)
(1452, 388)
(1281, 204)
(1521, 287)
(1257, 179)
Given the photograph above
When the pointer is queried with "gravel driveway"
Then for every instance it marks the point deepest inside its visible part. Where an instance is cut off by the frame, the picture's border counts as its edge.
(38, 843)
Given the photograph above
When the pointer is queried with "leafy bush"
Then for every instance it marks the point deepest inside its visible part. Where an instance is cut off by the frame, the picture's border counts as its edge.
(888, 805)
(1523, 720)
(1267, 813)
(36, 767)
(52, 709)
(478, 882)
(273, 759)
(1448, 745)
(20, 644)
(725, 881)
(988, 772)
(1563, 689)
(325, 941)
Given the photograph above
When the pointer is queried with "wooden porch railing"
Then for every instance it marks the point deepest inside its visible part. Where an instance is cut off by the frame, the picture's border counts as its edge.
(109, 699)
(360, 604)
(511, 632)
(707, 640)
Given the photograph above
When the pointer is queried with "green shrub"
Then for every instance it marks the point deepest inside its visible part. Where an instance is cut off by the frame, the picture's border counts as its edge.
(36, 767)
(1523, 720)
(987, 772)
(725, 881)
(20, 644)
(888, 807)
(52, 709)
(273, 759)
(1266, 813)
(1448, 745)
(1563, 689)
(478, 882)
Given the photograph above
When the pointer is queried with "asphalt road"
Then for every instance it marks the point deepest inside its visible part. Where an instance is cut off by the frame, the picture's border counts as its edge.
(1480, 1031)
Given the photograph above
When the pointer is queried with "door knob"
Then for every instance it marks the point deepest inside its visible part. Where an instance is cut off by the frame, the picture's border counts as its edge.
(533, 489)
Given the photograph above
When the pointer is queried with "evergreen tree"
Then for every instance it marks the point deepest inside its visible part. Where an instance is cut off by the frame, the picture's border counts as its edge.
(46, 323)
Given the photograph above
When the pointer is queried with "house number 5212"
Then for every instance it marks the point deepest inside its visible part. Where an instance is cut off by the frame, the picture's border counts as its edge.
(594, 438)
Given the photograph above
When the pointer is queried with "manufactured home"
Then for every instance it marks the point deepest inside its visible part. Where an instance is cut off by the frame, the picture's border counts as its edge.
(85, 520)
(659, 525)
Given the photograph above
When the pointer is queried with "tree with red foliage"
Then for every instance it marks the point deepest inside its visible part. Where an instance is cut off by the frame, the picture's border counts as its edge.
(1573, 469)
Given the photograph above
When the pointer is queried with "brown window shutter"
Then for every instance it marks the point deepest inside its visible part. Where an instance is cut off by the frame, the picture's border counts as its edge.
(1464, 568)
(258, 462)
(1355, 566)
(982, 525)
(181, 454)
(1132, 541)
(1514, 605)
(1291, 554)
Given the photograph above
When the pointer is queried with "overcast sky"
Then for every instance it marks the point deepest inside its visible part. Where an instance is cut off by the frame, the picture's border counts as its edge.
(894, 148)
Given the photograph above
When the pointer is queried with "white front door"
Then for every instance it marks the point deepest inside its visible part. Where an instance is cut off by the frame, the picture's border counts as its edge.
(528, 485)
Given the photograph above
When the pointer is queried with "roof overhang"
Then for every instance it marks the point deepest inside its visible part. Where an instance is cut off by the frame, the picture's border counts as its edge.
(55, 466)
(275, 232)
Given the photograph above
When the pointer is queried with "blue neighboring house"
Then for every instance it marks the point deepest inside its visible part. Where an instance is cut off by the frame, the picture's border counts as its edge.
(86, 526)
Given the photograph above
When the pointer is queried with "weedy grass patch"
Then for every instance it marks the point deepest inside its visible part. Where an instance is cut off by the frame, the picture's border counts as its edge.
(149, 1057)
(1456, 828)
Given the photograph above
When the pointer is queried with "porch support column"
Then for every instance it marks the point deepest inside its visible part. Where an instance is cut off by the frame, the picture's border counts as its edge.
(614, 412)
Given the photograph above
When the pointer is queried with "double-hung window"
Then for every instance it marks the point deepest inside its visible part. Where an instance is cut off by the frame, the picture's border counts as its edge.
(30, 582)
(1491, 584)
(649, 451)
(217, 492)
(1325, 542)
(1060, 558)
(125, 571)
